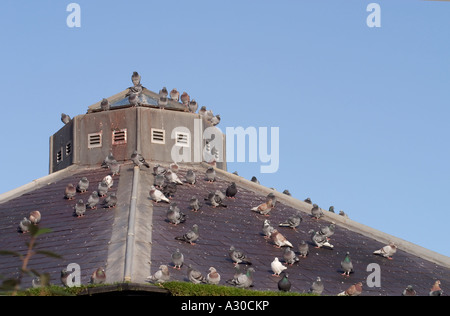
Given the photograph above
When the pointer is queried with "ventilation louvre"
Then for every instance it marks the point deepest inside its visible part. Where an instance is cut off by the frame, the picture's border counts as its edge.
(182, 139)
(94, 140)
(158, 136)
(68, 148)
(119, 137)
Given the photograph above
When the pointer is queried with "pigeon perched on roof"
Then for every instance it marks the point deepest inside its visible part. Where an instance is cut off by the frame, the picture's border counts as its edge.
(157, 196)
(35, 217)
(279, 240)
(65, 276)
(289, 256)
(409, 291)
(163, 102)
(238, 256)
(175, 95)
(267, 229)
(104, 105)
(354, 290)
(169, 189)
(133, 99)
(24, 225)
(347, 265)
(202, 111)
(277, 267)
(316, 287)
(216, 199)
(231, 190)
(436, 289)
(160, 276)
(190, 177)
(331, 209)
(308, 200)
(243, 280)
(174, 167)
(108, 160)
(159, 181)
(110, 201)
(193, 106)
(177, 259)
(210, 174)
(195, 204)
(327, 231)
(255, 180)
(387, 251)
(158, 169)
(80, 208)
(83, 185)
(303, 249)
(174, 215)
(215, 120)
(319, 240)
(195, 276)
(102, 188)
(272, 199)
(163, 92)
(172, 177)
(70, 192)
(263, 208)
(185, 99)
(65, 118)
(98, 276)
(138, 159)
(190, 236)
(213, 277)
(109, 181)
(284, 284)
(293, 221)
(287, 192)
(115, 168)
(342, 213)
(93, 200)
(316, 212)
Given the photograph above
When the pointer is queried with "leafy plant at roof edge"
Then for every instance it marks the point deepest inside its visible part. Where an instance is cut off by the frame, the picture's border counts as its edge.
(13, 284)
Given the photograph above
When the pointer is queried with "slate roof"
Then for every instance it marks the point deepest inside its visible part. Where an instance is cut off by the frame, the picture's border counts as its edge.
(102, 237)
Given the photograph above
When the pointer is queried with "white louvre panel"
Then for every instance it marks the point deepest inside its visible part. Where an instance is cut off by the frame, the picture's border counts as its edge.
(94, 140)
(182, 139)
(119, 137)
(68, 148)
(158, 136)
(59, 156)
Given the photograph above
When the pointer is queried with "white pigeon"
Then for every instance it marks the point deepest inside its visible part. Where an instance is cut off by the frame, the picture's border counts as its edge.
(387, 251)
(173, 177)
(160, 276)
(109, 181)
(157, 195)
(277, 267)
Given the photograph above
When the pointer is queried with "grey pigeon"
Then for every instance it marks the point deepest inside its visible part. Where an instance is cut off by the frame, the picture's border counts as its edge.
(175, 95)
(231, 190)
(93, 200)
(35, 217)
(102, 188)
(157, 196)
(216, 199)
(347, 265)
(169, 189)
(190, 236)
(163, 102)
(436, 289)
(317, 287)
(293, 221)
(308, 200)
(409, 291)
(202, 111)
(98, 276)
(158, 169)
(303, 249)
(24, 225)
(387, 251)
(243, 280)
(255, 180)
(272, 199)
(159, 181)
(211, 174)
(277, 267)
(267, 229)
(289, 256)
(163, 92)
(316, 212)
(238, 256)
(195, 276)
(342, 213)
(331, 209)
(328, 231)
(195, 204)
(138, 159)
(190, 177)
(174, 215)
(213, 277)
(160, 276)
(104, 105)
(70, 192)
(215, 120)
(115, 168)
(65, 118)
(319, 240)
(108, 160)
(133, 99)
(177, 259)
(83, 185)
(284, 284)
(172, 177)
(80, 208)
(110, 201)
(193, 106)
(287, 192)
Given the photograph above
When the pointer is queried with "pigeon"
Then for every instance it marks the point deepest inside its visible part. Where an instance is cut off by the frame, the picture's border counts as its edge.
(80, 208)
(83, 185)
(70, 192)
(157, 195)
(110, 201)
(108, 160)
(175, 95)
(287, 192)
(277, 267)
(316, 287)
(93, 200)
(194, 204)
(354, 290)
(133, 99)
(284, 284)
(174, 215)
(160, 276)
(347, 265)
(293, 221)
(209, 115)
(163, 101)
(104, 105)
(216, 199)
(409, 291)
(159, 181)
(308, 200)
(35, 217)
(193, 106)
(279, 240)
(341, 212)
(109, 181)
(289, 256)
(316, 212)
(211, 174)
(64, 276)
(215, 120)
(195, 276)
(24, 225)
(328, 231)
(163, 92)
(190, 177)
(65, 118)
(238, 256)
(172, 177)
(177, 259)
(387, 251)
(158, 170)
(319, 240)
(191, 236)
(185, 99)
(213, 277)
(231, 190)
(98, 276)
(255, 180)
(243, 280)
(303, 249)
(169, 189)
(138, 159)
(263, 208)
(115, 168)
(202, 111)
(102, 188)
(436, 289)
(174, 167)
(272, 199)
(331, 209)
(267, 229)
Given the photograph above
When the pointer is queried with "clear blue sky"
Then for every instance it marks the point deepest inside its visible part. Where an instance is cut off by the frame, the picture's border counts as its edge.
(363, 112)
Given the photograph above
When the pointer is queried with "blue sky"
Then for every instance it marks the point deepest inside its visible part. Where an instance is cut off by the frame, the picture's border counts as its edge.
(363, 112)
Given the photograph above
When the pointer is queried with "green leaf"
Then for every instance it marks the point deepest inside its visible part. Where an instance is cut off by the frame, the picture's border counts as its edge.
(10, 253)
(49, 254)
(41, 231)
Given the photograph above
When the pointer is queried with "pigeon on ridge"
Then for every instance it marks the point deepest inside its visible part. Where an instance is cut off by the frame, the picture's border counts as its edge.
(163, 92)
(277, 267)
(238, 256)
(157, 196)
(193, 106)
(316, 212)
(177, 259)
(190, 236)
(175, 95)
(104, 105)
(287, 192)
(255, 180)
(65, 118)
